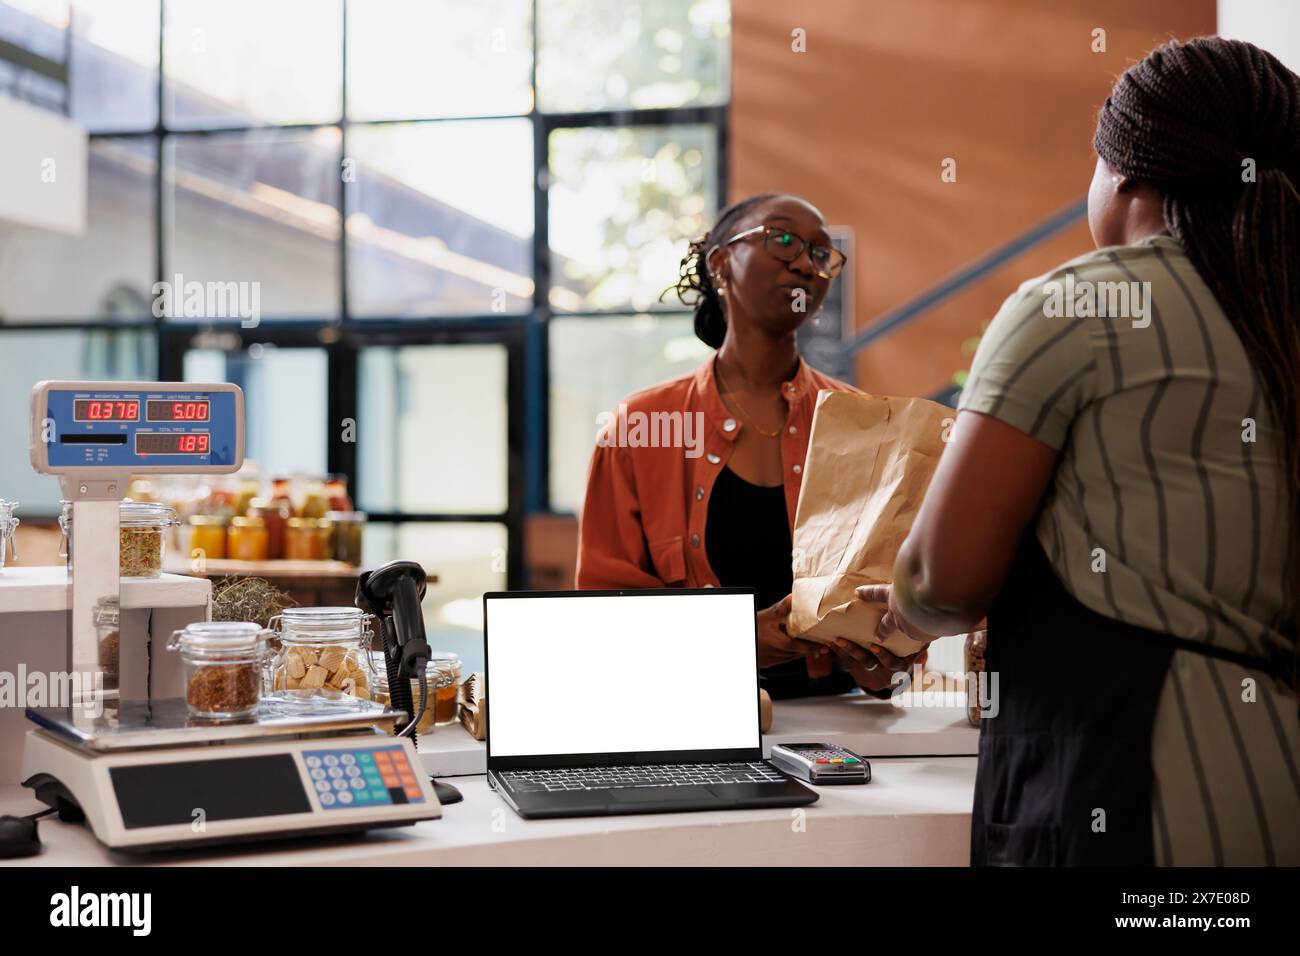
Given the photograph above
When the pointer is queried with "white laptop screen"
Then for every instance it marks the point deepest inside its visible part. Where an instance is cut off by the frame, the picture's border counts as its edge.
(599, 674)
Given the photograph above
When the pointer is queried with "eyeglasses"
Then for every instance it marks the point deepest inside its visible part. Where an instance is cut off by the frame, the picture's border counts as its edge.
(786, 246)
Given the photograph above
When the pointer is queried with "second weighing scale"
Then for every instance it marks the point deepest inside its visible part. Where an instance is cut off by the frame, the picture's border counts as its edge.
(140, 771)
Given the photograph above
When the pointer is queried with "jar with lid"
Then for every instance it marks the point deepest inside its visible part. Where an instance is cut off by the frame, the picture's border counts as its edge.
(315, 501)
(8, 527)
(223, 668)
(441, 687)
(246, 540)
(142, 537)
(349, 527)
(976, 684)
(275, 514)
(307, 539)
(442, 676)
(323, 661)
(106, 618)
(208, 536)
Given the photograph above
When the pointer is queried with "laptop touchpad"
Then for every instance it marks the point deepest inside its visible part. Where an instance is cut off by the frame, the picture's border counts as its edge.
(661, 794)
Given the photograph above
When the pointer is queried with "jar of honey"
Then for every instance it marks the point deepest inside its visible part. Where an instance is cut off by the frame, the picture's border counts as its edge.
(307, 539)
(247, 539)
(208, 536)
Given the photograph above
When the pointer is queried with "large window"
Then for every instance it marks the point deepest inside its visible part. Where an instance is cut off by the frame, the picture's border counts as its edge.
(455, 219)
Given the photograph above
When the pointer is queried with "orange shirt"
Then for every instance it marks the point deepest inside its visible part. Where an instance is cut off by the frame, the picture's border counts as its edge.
(648, 488)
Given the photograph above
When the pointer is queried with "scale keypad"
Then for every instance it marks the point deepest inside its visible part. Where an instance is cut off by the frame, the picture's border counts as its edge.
(371, 777)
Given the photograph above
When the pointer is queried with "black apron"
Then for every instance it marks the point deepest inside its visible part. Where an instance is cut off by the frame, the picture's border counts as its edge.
(1065, 773)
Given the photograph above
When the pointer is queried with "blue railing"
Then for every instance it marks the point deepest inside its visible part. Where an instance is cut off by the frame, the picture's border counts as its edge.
(968, 275)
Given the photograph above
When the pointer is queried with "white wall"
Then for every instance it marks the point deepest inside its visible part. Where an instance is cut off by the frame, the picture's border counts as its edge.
(1271, 24)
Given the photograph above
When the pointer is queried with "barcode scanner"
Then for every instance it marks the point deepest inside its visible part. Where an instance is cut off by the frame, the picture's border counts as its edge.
(392, 592)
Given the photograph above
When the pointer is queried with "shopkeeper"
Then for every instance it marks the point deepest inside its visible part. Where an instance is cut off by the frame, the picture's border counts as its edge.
(1122, 494)
(721, 513)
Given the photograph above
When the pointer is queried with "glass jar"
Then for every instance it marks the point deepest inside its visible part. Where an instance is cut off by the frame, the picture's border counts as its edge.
(336, 493)
(442, 690)
(349, 527)
(223, 668)
(247, 539)
(275, 514)
(307, 539)
(315, 501)
(106, 618)
(208, 535)
(142, 537)
(8, 527)
(975, 647)
(323, 661)
(442, 676)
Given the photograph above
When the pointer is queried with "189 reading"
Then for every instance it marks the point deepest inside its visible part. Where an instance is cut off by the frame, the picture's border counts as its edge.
(167, 443)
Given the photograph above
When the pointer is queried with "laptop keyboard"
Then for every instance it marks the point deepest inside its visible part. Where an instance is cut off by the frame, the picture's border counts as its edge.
(660, 775)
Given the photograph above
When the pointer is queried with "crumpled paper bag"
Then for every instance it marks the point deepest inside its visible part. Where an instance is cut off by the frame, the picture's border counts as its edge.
(870, 460)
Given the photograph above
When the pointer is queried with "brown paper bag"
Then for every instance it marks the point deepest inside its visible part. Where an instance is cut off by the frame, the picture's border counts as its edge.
(869, 462)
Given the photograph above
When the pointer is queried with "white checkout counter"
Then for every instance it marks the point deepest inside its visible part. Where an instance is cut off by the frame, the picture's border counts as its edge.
(916, 811)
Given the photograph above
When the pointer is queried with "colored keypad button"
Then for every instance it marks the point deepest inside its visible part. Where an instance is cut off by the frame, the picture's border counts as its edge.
(822, 760)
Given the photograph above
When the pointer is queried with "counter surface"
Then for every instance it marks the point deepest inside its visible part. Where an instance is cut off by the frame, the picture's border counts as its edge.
(916, 811)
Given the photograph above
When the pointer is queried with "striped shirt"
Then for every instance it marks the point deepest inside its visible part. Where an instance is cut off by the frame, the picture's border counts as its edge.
(1167, 510)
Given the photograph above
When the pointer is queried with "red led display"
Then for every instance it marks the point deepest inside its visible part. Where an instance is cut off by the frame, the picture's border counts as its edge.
(108, 410)
(177, 411)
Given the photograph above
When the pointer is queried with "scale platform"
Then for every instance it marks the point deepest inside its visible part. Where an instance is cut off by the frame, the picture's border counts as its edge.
(151, 724)
(145, 776)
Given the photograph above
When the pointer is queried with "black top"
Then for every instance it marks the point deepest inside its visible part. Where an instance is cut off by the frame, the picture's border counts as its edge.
(747, 539)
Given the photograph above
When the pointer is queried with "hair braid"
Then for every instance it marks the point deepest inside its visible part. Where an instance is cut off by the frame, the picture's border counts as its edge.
(1186, 119)
(695, 285)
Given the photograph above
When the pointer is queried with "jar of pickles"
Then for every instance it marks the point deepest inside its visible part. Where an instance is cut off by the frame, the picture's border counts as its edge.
(8, 527)
(246, 540)
(223, 668)
(322, 664)
(208, 536)
(348, 528)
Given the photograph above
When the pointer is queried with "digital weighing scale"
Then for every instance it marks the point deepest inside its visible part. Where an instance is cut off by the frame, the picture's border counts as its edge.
(135, 766)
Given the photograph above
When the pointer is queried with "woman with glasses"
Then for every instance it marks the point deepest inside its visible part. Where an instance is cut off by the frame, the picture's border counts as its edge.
(720, 513)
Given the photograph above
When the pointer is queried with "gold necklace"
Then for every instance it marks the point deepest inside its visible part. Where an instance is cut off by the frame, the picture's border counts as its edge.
(740, 409)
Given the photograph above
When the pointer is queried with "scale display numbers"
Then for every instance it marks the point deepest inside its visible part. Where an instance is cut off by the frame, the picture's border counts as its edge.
(106, 410)
(166, 410)
(172, 443)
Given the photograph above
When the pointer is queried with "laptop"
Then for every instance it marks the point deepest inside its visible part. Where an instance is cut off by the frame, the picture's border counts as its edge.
(613, 702)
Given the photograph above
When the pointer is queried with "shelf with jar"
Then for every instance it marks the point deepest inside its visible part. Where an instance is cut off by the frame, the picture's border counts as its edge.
(253, 518)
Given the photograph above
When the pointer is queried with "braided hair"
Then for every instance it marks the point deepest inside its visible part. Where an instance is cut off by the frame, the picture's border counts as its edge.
(1186, 120)
(695, 285)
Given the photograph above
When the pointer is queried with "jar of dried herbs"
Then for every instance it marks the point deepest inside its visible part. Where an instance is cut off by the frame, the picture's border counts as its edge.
(8, 525)
(223, 668)
(322, 664)
(142, 533)
(108, 632)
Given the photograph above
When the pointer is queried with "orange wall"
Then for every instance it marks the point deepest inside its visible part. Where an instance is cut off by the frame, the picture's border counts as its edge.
(861, 121)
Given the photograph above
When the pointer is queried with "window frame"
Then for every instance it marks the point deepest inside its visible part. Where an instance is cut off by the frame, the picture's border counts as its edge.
(525, 335)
